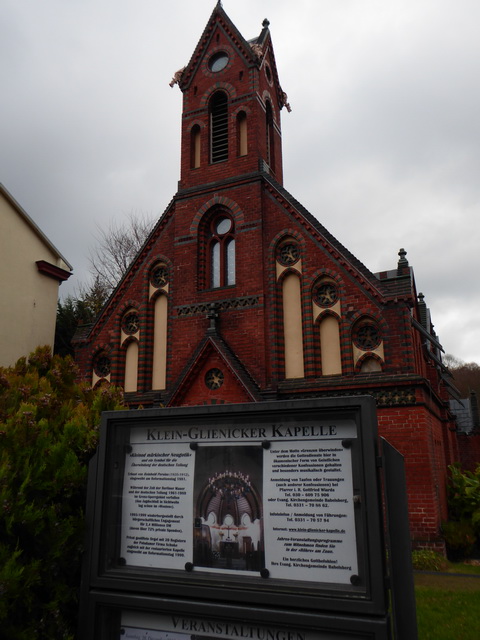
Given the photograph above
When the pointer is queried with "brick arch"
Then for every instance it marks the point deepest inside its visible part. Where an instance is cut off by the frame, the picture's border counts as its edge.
(213, 51)
(267, 96)
(319, 274)
(109, 351)
(243, 108)
(218, 86)
(156, 294)
(127, 341)
(287, 272)
(328, 312)
(201, 123)
(218, 201)
(369, 355)
(282, 235)
(99, 348)
(372, 315)
(124, 307)
(151, 264)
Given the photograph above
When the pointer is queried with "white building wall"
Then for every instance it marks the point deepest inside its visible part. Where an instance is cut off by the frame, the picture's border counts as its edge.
(28, 298)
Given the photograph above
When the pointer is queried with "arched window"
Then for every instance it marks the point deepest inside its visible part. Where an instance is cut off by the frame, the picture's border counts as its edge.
(195, 147)
(330, 346)
(219, 127)
(221, 251)
(131, 367)
(370, 365)
(102, 366)
(160, 331)
(129, 339)
(366, 335)
(242, 142)
(292, 326)
(270, 136)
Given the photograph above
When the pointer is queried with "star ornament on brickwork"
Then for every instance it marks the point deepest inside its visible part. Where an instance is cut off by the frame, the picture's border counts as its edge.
(159, 277)
(214, 379)
(326, 294)
(131, 323)
(289, 254)
(367, 336)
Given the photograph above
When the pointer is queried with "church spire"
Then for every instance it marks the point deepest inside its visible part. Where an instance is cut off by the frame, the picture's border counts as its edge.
(232, 100)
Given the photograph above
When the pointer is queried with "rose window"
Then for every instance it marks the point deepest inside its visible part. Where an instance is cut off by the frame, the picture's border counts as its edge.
(102, 365)
(214, 378)
(326, 294)
(289, 254)
(131, 324)
(367, 336)
(159, 277)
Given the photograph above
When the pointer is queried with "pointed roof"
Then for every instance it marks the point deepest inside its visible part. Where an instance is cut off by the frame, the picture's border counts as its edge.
(214, 343)
(392, 286)
(253, 50)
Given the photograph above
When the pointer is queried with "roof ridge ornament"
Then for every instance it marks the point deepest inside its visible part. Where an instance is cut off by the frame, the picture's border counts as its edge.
(177, 76)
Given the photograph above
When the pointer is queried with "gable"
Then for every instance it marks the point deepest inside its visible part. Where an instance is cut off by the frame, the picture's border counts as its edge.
(213, 376)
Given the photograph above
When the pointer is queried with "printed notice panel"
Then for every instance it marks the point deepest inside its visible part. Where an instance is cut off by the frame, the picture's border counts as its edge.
(148, 626)
(269, 499)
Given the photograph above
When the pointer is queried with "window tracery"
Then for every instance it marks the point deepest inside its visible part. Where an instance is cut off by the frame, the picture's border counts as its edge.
(131, 323)
(366, 335)
(102, 365)
(221, 251)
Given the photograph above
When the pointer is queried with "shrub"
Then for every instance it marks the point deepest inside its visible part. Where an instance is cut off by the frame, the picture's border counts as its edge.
(48, 433)
(464, 496)
(459, 538)
(428, 560)
(462, 531)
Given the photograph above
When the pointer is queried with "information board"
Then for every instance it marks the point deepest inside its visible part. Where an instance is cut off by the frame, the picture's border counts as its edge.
(286, 507)
(257, 503)
(116, 616)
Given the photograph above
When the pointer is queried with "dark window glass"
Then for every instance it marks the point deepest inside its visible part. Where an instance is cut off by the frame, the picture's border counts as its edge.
(219, 127)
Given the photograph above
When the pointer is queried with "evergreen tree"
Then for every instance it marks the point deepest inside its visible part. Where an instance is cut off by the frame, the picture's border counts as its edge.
(73, 311)
(48, 433)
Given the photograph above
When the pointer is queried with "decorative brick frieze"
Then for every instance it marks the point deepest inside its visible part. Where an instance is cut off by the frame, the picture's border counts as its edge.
(221, 305)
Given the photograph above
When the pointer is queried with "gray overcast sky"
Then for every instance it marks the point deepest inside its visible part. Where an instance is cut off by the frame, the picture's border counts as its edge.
(382, 144)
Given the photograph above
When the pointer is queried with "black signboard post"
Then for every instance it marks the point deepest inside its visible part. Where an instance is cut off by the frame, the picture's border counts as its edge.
(262, 517)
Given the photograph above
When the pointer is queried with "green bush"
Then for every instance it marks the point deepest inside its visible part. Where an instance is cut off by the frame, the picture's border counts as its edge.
(462, 531)
(464, 496)
(459, 538)
(48, 433)
(428, 560)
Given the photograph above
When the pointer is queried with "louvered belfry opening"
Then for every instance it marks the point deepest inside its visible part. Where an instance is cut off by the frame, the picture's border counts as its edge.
(219, 127)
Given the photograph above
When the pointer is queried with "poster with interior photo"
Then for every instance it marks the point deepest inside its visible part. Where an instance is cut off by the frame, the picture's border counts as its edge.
(228, 530)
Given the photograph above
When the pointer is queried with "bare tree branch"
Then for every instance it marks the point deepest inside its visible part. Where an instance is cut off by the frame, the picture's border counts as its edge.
(117, 246)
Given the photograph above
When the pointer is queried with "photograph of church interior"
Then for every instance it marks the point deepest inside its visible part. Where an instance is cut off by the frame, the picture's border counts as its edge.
(228, 523)
(241, 295)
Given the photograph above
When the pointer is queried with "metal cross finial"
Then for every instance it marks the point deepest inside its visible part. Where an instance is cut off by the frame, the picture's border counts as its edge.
(212, 315)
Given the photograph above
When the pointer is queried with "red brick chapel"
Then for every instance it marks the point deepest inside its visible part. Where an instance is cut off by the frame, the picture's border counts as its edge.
(241, 295)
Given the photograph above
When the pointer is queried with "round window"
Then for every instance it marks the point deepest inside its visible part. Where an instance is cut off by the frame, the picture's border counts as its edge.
(130, 324)
(366, 336)
(289, 254)
(218, 61)
(326, 294)
(223, 226)
(214, 378)
(159, 276)
(102, 365)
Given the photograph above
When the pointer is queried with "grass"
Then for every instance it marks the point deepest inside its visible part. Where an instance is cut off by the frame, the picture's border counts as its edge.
(448, 605)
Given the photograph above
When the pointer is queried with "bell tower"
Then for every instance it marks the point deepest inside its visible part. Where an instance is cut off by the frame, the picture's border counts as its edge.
(231, 106)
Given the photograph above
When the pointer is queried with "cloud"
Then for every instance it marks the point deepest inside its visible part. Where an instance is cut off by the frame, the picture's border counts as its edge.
(381, 145)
